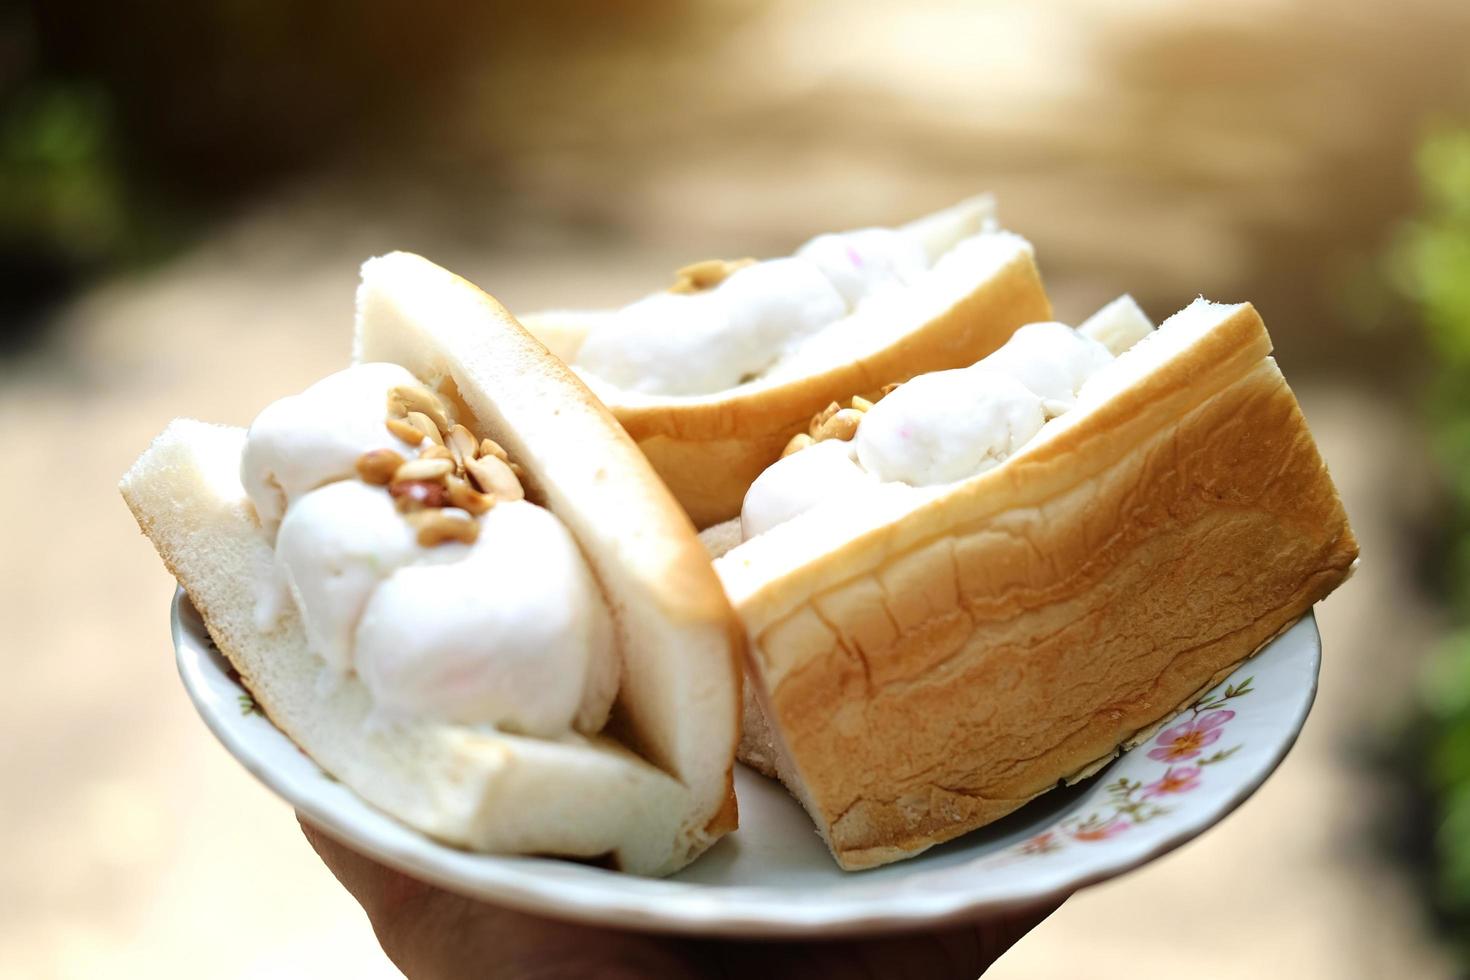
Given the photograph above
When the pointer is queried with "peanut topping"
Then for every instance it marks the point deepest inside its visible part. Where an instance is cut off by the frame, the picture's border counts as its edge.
(438, 526)
(412, 495)
(833, 422)
(821, 418)
(843, 425)
(494, 476)
(406, 432)
(426, 426)
(377, 467)
(452, 470)
(466, 497)
(423, 469)
(798, 442)
(708, 274)
(405, 400)
(462, 444)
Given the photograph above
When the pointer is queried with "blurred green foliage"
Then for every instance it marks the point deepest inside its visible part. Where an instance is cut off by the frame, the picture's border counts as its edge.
(1432, 265)
(113, 152)
(59, 186)
(65, 207)
(1430, 262)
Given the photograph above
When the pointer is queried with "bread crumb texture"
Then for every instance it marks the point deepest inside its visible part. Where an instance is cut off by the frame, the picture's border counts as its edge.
(966, 676)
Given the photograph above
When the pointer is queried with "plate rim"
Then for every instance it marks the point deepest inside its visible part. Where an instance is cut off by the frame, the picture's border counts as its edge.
(538, 885)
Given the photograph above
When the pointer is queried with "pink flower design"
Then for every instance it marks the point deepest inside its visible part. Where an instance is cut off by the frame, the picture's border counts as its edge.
(1180, 780)
(1043, 843)
(1096, 829)
(1185, 741)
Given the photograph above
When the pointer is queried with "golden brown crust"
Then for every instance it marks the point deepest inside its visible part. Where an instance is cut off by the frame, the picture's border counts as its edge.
(709, 450)
(935, 674)
(728, 817)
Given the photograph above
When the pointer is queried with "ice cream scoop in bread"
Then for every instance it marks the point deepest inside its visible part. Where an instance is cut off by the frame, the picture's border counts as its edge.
(482, 612)
(714, 376)
(930, 650)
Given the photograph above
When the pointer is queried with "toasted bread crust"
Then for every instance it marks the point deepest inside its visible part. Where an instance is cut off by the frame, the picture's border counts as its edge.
(934, 674)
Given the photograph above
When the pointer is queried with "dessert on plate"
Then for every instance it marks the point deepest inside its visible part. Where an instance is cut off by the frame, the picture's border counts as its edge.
(987, 581)
(449, 576)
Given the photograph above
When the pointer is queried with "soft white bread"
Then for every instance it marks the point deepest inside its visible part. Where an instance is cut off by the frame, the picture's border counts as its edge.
(655, 788)
(710, 448)
(500, 793)
(928, 662)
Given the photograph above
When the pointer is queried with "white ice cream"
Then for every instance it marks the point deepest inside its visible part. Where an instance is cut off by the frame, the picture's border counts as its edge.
(514, 635)
(721, 337)
(692, 343)
(511, 631)
(951, 425)
(335, 545)
(862, 262)
(946, 426)
(304, 441)
(1052, 360)
(798, 483)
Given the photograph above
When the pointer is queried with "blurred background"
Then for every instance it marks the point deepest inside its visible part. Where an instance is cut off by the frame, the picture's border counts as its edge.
(186, 191)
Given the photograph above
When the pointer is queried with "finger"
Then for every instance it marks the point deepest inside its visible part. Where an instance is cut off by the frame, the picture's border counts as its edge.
(963, 951)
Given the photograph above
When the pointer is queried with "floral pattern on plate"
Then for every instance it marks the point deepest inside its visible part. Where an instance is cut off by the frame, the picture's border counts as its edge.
(1128, 802)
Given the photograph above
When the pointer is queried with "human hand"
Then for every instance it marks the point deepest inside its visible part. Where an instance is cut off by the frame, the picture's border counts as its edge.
(432, 934)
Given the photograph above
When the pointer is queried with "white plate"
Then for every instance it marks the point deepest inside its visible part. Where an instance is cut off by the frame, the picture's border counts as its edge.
(774, 877)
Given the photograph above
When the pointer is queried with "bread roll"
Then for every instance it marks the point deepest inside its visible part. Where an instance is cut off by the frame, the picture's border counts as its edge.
(925, 663)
